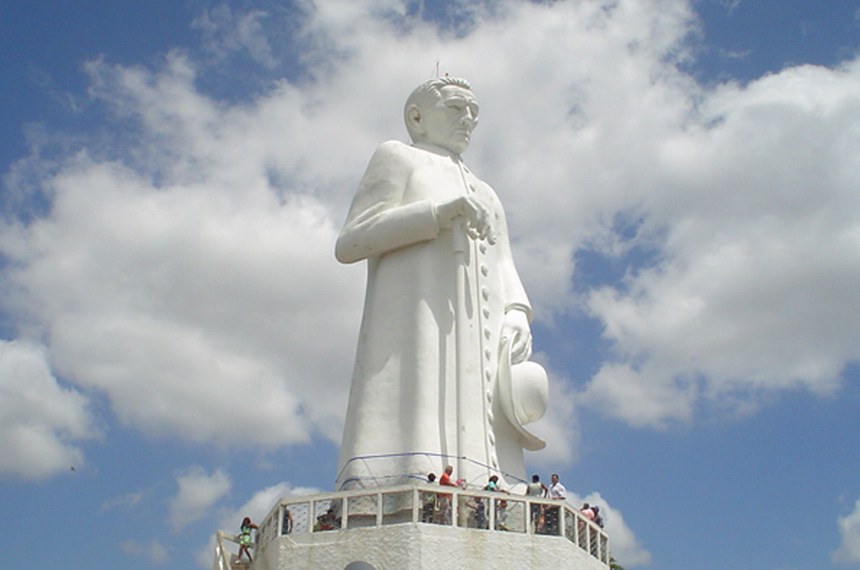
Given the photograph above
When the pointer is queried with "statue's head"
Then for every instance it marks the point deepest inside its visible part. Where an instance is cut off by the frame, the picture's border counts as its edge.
(442, 112)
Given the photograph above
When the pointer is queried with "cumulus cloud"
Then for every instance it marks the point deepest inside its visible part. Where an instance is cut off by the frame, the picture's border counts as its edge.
(849, 534)
(174, 298)
(184, 267)
(625, 547)
(261, 502)
(257, 508)
(41, 421)
(197, 494)
(226, 32)
(752, 291)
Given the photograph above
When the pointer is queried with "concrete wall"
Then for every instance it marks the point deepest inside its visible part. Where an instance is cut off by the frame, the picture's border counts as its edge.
(417, 546)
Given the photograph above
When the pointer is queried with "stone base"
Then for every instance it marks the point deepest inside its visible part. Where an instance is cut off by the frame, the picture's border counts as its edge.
(422, 546)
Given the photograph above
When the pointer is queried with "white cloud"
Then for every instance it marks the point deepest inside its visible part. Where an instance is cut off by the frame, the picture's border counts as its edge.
(126, 501)
(257, 507)
(641, 397)
(624, 545)
(40, 420)
(199, 310)
(155, 552)
(261, 502)
(753, 291)
(185, 266)
(198, 492)
(849, 534)
(225, 32)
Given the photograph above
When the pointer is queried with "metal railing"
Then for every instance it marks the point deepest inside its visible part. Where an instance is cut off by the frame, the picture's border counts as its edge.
(377, 469)
(432, 504)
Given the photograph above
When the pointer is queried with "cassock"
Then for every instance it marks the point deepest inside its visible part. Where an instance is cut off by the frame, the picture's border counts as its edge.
(402, 419)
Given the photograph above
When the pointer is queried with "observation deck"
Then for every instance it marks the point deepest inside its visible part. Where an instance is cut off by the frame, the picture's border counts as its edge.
(423, 526)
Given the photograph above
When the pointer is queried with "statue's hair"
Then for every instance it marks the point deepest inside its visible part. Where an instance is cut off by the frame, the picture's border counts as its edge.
(427, 94)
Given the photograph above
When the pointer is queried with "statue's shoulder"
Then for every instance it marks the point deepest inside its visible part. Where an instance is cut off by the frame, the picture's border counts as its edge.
(391, 159)
(394, 150)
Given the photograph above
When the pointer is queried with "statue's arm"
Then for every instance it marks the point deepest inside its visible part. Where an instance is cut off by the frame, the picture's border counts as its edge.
(518, 310)
(378, 220)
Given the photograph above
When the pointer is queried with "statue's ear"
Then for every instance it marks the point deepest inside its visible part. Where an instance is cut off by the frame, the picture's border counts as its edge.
(413, 119)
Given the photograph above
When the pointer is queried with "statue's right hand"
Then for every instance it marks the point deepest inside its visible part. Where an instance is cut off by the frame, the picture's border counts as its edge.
(476, 217)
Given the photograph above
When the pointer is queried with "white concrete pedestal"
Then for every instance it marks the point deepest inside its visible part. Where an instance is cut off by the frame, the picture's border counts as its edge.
(419, 546)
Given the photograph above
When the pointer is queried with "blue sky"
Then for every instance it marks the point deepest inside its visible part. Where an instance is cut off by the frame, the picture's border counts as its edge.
(681, 182)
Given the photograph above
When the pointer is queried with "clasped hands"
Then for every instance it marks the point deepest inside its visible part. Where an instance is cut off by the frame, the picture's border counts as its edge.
(477, 222)
(477, 219)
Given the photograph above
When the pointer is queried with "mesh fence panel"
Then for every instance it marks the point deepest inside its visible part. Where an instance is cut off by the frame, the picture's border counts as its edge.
(593, 543)
(510, 515)
(362, 511)
(570, 523)
(397, 507)
(300, 513)
(472, 512)
(326, 515)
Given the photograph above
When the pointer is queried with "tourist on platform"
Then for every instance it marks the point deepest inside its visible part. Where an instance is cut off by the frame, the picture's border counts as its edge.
(493, 484)
(480, 513)
(587, 511)
(428, 501)
(245, 540)
(445, 479)
(288, 521)
(538, 490)
(445, 500)
(327, 521)
(558, 492)
(501, 514)
(598, 520)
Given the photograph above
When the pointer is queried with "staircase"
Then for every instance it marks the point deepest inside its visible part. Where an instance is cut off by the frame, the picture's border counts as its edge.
(225, 560)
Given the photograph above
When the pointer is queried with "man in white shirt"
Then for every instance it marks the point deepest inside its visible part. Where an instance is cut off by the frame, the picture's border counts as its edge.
(556, 491)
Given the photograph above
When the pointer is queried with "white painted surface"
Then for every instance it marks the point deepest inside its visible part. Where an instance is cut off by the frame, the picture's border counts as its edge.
(424, 388)
(417, 546)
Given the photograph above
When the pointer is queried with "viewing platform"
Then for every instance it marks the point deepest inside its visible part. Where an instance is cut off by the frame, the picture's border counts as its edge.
(423, 526)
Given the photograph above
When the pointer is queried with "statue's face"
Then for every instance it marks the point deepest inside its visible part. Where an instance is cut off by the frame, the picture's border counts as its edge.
(450, 122)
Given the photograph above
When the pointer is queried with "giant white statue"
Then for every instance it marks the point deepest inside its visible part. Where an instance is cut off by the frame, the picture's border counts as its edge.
(441, 375)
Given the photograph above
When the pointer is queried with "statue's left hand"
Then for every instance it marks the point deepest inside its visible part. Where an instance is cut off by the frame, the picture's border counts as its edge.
(516, 327)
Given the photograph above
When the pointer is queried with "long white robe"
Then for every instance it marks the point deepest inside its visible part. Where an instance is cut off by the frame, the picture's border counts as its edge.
(402, 417)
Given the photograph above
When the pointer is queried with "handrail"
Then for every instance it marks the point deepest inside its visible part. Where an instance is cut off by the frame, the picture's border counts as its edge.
(222, 561)
(377, 480)
(488, 511)
(222, 555)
